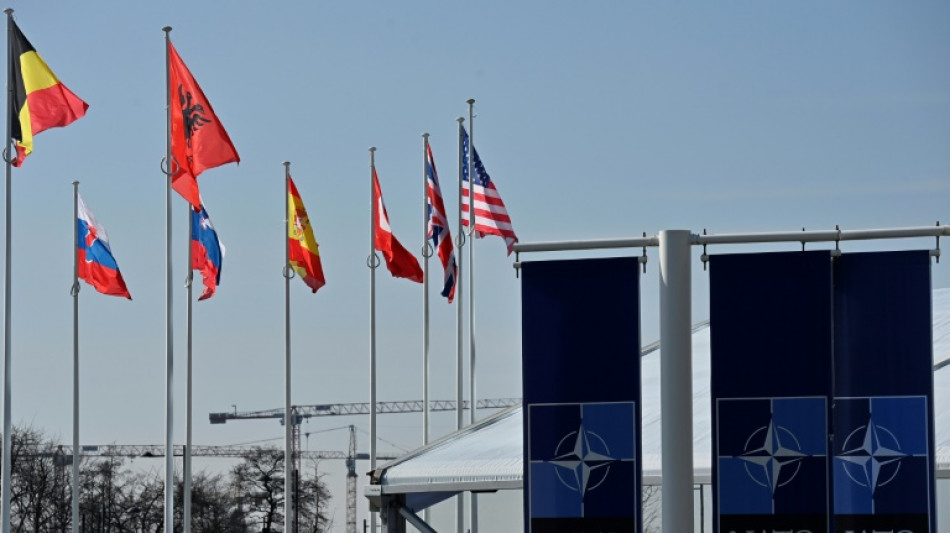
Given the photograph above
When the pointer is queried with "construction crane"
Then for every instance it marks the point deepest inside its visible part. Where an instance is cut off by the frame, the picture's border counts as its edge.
(300, 412)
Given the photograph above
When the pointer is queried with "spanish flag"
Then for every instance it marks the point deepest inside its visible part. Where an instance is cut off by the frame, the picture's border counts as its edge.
(304, 254)
(40, 100)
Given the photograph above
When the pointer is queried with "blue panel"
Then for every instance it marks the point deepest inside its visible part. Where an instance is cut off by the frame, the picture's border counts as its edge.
(581, 387)
(883, 423)
(771, 342)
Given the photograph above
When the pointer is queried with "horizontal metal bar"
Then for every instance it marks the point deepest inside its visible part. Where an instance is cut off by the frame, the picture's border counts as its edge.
(743, 238)
(554, 246)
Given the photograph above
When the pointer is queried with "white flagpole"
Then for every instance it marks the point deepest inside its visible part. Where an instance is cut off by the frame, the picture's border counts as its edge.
(169, 524)
(459, 328)
(186, 459)
(75, 295)
(372, 262)
(471, 286)
(426, 253)
(7, 474)
(288, 415)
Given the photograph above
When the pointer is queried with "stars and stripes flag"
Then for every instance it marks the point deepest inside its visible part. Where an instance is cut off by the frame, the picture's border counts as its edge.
(491, 216)
(439, 232)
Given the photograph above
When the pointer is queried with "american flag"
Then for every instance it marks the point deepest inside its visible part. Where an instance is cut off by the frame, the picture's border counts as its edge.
(491, 217)
(439, 228)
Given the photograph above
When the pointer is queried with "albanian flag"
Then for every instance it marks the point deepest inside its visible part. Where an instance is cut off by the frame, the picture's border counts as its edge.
(198, 139)
(39, 100)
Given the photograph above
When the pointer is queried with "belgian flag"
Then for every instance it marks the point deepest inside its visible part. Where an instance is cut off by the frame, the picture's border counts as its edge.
(39, 100)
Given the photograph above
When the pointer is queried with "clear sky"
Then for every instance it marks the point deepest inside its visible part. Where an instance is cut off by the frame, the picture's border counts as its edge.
(595, 120)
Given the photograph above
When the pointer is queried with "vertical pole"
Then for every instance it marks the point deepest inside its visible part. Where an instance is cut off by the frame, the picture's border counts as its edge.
(75, 295)
(426, 252)
(169, 524)
(288, 414)
(459, 327)
(471, 291)
(186, 453)
(8, 154)
(676, 381)
(372, 262)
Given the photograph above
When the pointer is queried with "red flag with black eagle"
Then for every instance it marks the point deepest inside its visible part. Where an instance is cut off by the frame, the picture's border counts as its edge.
(198, 139)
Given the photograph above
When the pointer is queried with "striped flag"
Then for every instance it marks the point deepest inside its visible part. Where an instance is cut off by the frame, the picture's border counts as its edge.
(95, 263)
(303, 249)
(39, 101)
(491, 217)
(439, 228)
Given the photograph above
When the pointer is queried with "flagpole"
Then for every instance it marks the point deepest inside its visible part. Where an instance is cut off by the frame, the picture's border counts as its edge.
(459, 327)
(169, 522)
(426, 253)
(288, 416)
(372, 262)
(75, 294)
(186, 459)
(8, 158)
(471, 286)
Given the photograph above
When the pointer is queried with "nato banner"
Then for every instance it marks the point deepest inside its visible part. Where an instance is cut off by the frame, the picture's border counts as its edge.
(883, 466)
(771, 344)
(581, 387)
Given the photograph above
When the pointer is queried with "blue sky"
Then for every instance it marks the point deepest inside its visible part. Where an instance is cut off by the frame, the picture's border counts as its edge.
(595, 120)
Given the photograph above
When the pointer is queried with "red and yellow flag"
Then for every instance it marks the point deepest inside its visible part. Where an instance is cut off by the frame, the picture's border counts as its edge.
(40, 100)
(304, 253)
(198, 139)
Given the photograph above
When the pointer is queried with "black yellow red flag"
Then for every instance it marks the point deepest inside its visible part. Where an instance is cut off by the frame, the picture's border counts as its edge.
(39, 100)
(198, 140)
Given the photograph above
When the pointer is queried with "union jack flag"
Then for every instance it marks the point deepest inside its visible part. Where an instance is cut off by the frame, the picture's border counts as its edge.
(439, 228)
(491, 217)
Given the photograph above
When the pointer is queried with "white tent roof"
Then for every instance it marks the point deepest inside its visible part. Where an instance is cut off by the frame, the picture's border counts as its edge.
(488, 455)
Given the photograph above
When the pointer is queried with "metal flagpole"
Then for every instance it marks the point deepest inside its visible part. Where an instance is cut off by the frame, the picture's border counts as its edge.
(372, 262)
(288, 416)
(186, 459)
(459, 328)
(471, 286)
(75, 294)
(8, 158)
(426, 253)
(169, 525)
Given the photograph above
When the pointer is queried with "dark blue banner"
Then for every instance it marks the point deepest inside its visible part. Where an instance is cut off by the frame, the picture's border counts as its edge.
(581, 386)
(771, 342)
(883, 395)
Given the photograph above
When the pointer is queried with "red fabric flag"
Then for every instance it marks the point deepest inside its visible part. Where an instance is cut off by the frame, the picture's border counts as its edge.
(198, 139)
(399, 261)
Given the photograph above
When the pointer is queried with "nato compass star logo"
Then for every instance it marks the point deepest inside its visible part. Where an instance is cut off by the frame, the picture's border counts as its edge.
(882, 463)
(582, 459)
(768, 450)
(774, 456)
(872, 456)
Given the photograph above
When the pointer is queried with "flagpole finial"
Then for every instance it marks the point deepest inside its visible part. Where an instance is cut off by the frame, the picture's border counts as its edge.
(372, 148)
(460, 120)
(75, 182)
(8, 11)
(167, 29)
(470, 101)
(425, 135)
(287, 164)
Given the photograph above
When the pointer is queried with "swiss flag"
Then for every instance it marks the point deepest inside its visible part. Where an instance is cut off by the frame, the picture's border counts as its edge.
(399, 261)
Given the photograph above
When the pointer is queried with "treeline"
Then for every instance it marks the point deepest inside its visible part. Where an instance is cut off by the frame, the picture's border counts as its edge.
(117, 498)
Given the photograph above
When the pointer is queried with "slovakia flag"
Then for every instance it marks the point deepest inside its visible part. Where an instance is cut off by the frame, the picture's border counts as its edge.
(97, 267)
(206, 251)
